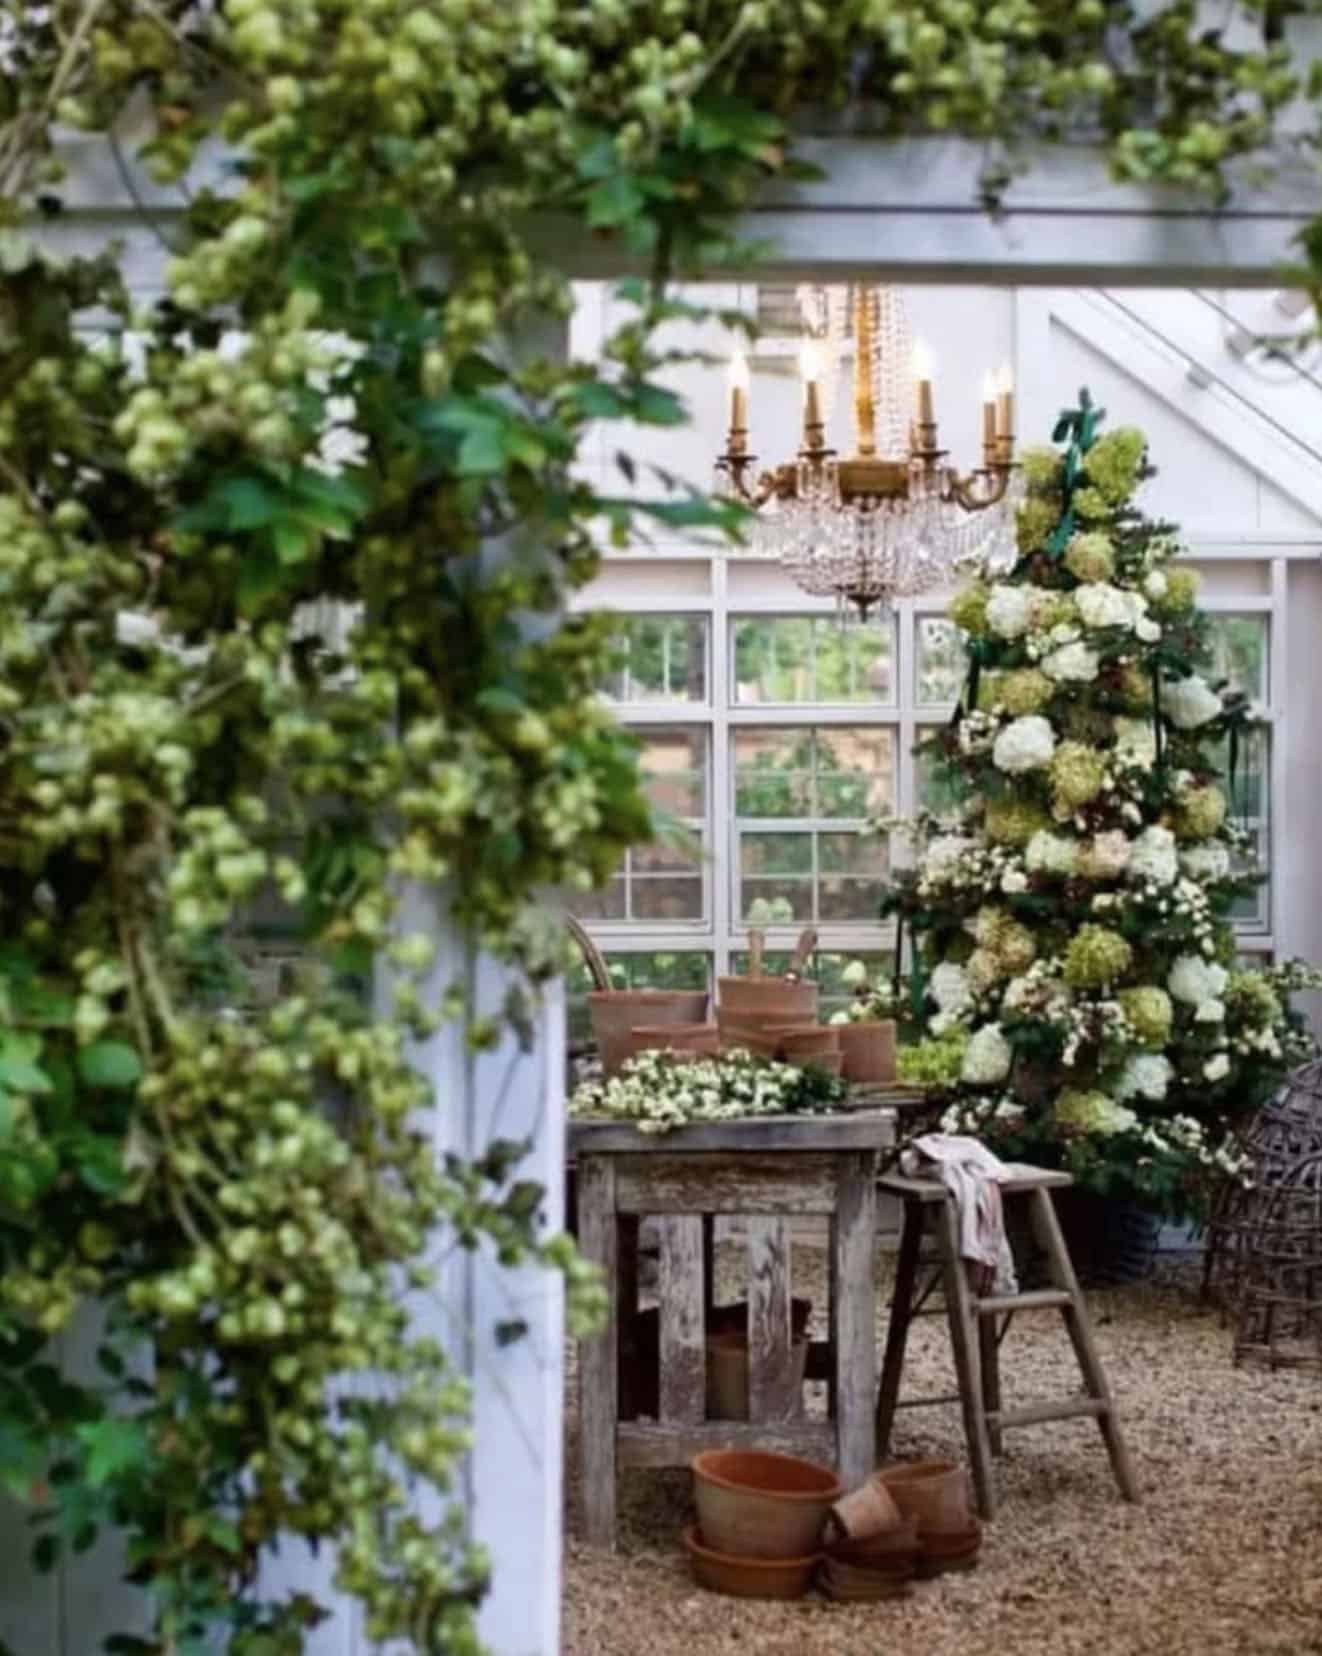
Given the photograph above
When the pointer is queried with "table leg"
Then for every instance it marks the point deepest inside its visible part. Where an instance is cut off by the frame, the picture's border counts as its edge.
(598, 1365)
(964, 1340)
(897, 1330)
(853, 1247)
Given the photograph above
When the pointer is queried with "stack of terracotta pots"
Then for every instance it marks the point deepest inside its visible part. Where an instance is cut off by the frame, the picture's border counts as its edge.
(911, 1520)
(760, 1522)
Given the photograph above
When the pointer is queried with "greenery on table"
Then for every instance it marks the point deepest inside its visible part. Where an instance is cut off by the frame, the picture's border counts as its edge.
(1074, 958)
(659, 1091)
(332, 474)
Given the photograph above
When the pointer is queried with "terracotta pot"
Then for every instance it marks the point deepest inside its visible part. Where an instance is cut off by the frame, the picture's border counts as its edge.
(806, 1040)
(753, 1503)
(779, 997)
(844, 1574)
(737, 1035)
(898, 1544)
(727, 1375)
(951, 1543)
(863, 1586)
(869, 1051)
(935, 1492)
(866, 1511)
(616, 1013)
(771, 1578)
(698, 1040)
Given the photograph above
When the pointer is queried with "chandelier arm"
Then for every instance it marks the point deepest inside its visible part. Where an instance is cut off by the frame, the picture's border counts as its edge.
(969, 493)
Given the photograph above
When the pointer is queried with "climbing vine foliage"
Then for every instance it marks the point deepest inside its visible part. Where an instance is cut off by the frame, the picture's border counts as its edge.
(285, 542)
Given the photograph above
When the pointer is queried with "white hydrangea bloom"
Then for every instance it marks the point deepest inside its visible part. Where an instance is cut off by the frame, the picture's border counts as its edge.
(1102, 605)
(1147, 629)
(1189, 702)
(988, 1057)
(1010, 610)
(941, 859)
(949, 988)
(854, 975)
(1217, 1067)
(1209, 861)
(1145, 1075)
(1025, 744)
(1109, 853)
(1013, 881)
(1153, 856)
(1211, 1011)
(1194, 981)
(1156, 584)
(1135, 741)
(1072, 664)
(984, 971)
(1050, 853)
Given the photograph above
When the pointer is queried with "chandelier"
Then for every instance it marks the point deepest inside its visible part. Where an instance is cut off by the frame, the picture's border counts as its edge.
(893, 518)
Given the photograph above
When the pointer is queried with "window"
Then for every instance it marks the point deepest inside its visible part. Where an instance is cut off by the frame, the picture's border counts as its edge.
(664, 882)
(665, 660)
(941, 661)
(812, 659)
(803, 800)
(1239, 650)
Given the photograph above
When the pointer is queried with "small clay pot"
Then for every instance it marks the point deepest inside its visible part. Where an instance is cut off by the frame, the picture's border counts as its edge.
(616, 1013)
(727, 1375)
(696, 1040)
(862, 1586)
(738, 1035)
(950, 1543)
(935, 1492)
(786, 998)
(754, 1503)
(869, 1051)
(739, 1577)
(899, 1544)
(865, 1511)
(845, 1574)
(802, 1040)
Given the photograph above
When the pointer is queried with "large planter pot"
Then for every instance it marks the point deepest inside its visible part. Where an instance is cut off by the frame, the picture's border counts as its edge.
(868, 1050)
(1111, 1239)
(753, 1503)
(688, 1040)
(727, 1374)
(616, 1013)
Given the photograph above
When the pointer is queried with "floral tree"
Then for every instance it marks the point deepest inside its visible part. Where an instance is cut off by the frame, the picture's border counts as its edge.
(1075, 969)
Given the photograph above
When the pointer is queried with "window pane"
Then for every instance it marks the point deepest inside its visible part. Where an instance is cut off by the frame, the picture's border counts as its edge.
(1239, 648)
(805, 659)
(764, 854)
(855, 772)
(665, 659)
(854, 661)
(610, 903)
(675, 763)
(776, 878)
(772, 660)
(773, 773)
(671, 897)
(1249, 805)
(941, 663)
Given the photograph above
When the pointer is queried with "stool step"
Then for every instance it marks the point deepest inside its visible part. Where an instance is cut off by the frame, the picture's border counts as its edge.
(1036, 1412)
(928, 1402)
(1040, 1299)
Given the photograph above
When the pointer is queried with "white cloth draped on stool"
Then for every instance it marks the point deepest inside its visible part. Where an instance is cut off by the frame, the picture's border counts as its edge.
(971, 1173)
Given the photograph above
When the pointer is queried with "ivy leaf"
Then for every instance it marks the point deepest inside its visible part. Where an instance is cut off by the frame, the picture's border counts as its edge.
(100, 1162)
(615, 201)
(113, 1448)
(110, 1064)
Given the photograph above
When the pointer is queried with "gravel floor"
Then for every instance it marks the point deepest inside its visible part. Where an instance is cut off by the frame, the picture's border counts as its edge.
(1223, 1558)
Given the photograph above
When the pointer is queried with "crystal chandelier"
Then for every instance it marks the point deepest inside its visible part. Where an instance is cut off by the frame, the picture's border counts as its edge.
(893, 519)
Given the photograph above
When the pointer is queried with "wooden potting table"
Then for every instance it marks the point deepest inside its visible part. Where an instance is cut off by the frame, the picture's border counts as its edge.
(767, 1172)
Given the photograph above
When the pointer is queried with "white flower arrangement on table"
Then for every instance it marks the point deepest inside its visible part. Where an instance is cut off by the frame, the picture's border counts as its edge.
(658, 1091)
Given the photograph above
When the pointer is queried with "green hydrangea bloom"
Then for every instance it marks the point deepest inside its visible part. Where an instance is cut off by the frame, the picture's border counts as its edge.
(1114, 462)
(1091, 504)
(1089, 557)
(1034, 522)
(1082, 1110)
(935, 1062)
(1078, 775)
(1097, 957)
(1056, 609)
(968, 609)
(1041, 469)
(1088, 724)
(1015, 948)
(1136, 688)
(1252, 999)
(1181, 590)
(1148, 1010)
(1024, 691)
(1012, 821)
(1201, 813)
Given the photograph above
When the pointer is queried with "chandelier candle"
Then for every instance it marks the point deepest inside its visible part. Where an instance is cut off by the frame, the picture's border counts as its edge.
(738, 403)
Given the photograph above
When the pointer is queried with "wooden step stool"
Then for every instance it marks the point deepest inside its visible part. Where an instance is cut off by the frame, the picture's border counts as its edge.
(974, 1333)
